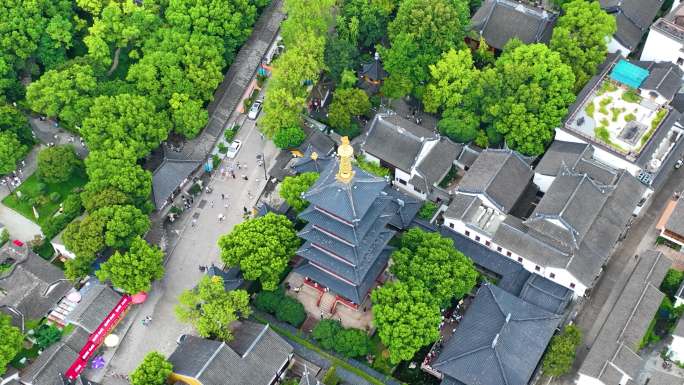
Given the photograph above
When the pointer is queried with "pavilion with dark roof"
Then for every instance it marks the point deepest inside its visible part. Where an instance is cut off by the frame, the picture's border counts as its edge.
(500, 341)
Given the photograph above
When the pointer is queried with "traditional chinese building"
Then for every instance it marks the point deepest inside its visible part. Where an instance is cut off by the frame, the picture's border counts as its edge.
(345, 240)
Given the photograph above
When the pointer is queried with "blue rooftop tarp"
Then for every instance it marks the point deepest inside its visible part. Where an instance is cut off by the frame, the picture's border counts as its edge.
(628, 74)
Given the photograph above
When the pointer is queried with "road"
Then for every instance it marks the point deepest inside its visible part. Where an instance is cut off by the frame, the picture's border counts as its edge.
(641, 237)
(197, 246)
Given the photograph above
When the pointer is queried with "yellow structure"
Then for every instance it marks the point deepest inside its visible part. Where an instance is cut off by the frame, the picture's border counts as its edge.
(346, 152)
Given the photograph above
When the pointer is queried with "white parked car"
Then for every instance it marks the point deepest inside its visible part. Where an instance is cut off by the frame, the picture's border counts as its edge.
(254, 111)
(233, 149)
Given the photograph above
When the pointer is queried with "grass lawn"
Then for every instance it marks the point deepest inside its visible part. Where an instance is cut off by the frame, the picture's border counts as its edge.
(30, 188)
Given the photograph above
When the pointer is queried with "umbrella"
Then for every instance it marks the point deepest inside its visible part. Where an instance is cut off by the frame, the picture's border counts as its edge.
(74, 297)
(98, 362)
(139, 297)
(111, 340)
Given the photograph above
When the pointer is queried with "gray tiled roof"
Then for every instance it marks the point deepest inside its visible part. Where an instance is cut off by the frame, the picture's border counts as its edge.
(599, 172)
(306, 164)
(679, 329)
(664, 77)
(437, 163)
(662, 378)
(461, 205)
(634, 17)
(168, 176)
(629, 318)
(404, 206)
(676, 221)
(396, 140)
(97, 300)
(562, 153)
(498, 21)
(468, 155)
(50, 365)
(546, 294)
(501, 175)
(254, 356)
(499, 341)
(373, 70)
(33, 286)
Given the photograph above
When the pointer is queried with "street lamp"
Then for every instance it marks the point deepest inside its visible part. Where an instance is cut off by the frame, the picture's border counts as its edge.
(261, 161)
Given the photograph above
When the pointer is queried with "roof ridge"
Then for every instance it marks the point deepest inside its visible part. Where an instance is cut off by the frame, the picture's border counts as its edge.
(501, 367)
(256, 340)
(210, 359)
(629, 319)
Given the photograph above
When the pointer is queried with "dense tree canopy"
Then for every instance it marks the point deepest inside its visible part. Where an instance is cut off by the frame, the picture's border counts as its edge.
(153, 370)
(293, 187)
(11, 341)
(347, 102)
(261, 248)
(289, 137)
(450, 78)
(57, 164)
(433, 261)
(12, 120)
(211, 309)
(124, 224)
(372, 19)
(420, 32)
(85, 237)
(11, 151)
(560, 356)
(134, 270)
(405, 321)
(580, 37)
(127, 119)
(116, 170)
(66, 94)
(531, 94)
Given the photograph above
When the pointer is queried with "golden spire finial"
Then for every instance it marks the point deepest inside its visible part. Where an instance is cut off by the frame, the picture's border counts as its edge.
(314, 155)
(346, 153)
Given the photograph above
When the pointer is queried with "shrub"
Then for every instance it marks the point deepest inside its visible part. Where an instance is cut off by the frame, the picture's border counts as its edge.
(215, 160)
(607, 87)
(604, 103)
(660, 115)
(352, 131)
(590, 108)
(289, 137)
(561, 353)
(352, 343)
(602, 133)
(325, 333)
(229, 134)
(222, 148)
(41, 187)
(604, 122)
(372, 167)
(4, 237)
(671, 282)
(428, 210)
(630, 117)
(331, 377)
(631, 96)
(291, 311)
(194, 189)
(47, 335)
(55, 196)
(616, 113)
(268, 301)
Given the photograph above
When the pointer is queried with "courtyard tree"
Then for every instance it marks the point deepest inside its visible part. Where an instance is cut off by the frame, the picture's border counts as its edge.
(211, 309)
(289, 137)
(372, 19)
(528, 96)
(85, 237)
(79, 267)
(325, 332)
(432, 260)
(420, 32)
(261, 248)
(450, 78)
(153, 370)
(134, 270)
(115, 170)
(11, 341)
(13, 120)
(124, 224)
(561, 353)
(65, 94)
(187, 115)
(282, 110)
(57, 164)
(293, 187)
(347, 102)
(405, 317)
(580, 37)
(127, 119)
(11, 151)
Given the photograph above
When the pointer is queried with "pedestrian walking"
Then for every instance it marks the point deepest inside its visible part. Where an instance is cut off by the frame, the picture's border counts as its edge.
(223, 196)
(232, 174)
(244, 177)
(225, 206)
(194, 222)
(211, 204)
(237, 165)
(244, 209)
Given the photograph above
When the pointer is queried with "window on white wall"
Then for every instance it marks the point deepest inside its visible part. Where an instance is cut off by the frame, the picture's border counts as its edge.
(572, 285)
(467, 233)
(401, 181)
(520, 259)
(552, 275)
(451, 225)
(499, 249)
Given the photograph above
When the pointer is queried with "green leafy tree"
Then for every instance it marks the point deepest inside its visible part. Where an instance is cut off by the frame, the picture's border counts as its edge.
(671, 282)
(134, 270)
(127, 119)
(282, 110)
(106, 197)
(293, 187)
(530, 94)
(396, 86)
(406, 318)
(269, 301)
(187, 115)
(340, 54)
(116, 170)
(347, 102)
(211, 309)
(289, 137)
(85, 237)
(420, 32)
(57, 164)
(561, 353)
(47, 335)
(124, 224)
(483, 56)
(373, 17)
(451, 77)
(325, 332)
(433, 261)
(11, 341)
(581, 36)
(11, 151)
(261, 247)
(291, 311)
(79, 267)
(153, 370)
(12, 120)
(93, 7)
(352, 343)
(65, 94)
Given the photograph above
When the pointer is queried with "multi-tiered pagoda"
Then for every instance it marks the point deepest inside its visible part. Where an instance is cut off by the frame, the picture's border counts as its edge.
(346, 237)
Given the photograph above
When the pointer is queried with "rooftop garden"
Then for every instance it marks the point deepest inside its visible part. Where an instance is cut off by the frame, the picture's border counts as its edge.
(617, 116)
